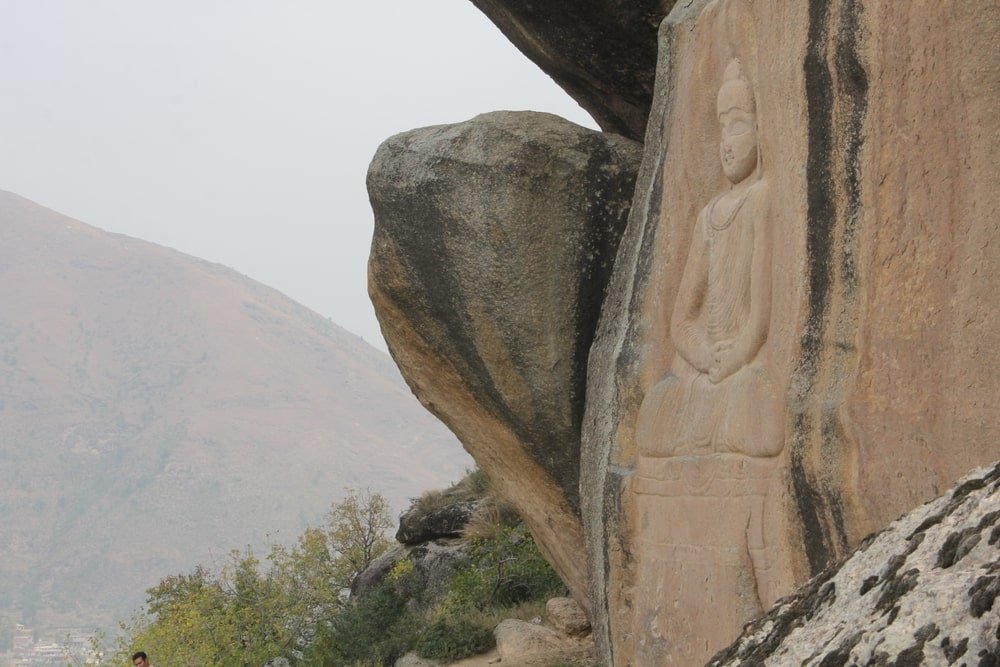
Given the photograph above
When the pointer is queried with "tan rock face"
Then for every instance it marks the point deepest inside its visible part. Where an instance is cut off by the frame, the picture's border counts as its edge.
(799, 341)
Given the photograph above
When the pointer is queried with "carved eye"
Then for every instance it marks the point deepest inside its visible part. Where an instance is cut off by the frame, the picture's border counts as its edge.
(738, 127)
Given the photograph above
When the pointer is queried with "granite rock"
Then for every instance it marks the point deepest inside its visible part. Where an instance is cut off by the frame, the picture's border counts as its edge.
(529, 644)
(418, 524)
(603, 53)
(920, 592)
(493, 243)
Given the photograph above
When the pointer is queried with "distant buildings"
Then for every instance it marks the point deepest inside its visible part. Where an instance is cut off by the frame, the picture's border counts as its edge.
(71, 648)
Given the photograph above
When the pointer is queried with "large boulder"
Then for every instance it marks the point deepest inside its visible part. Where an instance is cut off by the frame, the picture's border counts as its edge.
(603, 52)
(921, 592)
(421, 523)
(800, 340)
(493, 245)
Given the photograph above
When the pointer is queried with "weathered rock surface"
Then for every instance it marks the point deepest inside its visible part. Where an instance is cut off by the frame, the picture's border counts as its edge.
(868, 268)
(492, 247)
(564, 615)
(420, 525)
(603, 53)
(532, 645)
(434, 562)
(921, 592)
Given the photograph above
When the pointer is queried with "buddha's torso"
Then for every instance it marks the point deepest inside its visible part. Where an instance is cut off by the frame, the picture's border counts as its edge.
(729, 236)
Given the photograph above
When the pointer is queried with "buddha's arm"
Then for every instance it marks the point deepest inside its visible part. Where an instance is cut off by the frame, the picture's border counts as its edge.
(689, 336)
(754, 334)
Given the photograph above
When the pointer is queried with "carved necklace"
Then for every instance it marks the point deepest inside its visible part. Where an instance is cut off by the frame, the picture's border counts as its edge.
(732, 214)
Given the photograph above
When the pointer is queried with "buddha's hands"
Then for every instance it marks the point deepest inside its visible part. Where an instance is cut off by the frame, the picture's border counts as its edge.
(727, 358)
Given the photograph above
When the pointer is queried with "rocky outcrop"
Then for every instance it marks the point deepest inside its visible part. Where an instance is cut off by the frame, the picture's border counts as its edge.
(421, 524)
(921, 592)
(414, 660)
(602, 53)
(433, 562)
(493, 243)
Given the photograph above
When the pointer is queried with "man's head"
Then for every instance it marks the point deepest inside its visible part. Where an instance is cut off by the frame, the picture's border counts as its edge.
(139, 659)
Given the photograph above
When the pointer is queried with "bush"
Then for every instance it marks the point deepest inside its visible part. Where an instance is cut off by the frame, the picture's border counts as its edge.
(489, 519)
(504, 570)
(453, 639)
(376, 629)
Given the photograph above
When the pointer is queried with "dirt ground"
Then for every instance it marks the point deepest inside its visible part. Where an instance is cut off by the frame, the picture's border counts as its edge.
(484, 660)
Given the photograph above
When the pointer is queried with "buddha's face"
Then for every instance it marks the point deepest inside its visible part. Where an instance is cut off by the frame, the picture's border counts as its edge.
(738, 125)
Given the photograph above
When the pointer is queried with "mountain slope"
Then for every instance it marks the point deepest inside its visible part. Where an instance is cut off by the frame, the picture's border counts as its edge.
(157, 410)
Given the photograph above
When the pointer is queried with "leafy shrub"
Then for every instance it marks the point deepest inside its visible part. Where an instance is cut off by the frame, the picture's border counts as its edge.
(453, 639)
(503, 571)
(375, 629)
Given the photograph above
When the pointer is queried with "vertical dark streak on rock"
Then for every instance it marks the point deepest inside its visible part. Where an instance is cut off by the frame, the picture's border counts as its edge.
(821, 219)
(624, 365)
(448, 308)
(837, 107)
(853, 80)
(594, 277)
(852, 91)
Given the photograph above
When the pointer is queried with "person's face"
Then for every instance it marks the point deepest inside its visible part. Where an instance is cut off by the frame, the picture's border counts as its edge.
(140, 662)
(738, 146)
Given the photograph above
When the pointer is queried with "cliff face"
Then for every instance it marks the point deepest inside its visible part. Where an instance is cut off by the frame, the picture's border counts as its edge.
(156, 410)
(798, 339)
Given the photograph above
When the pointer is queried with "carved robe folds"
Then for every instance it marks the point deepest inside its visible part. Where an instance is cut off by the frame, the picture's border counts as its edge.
(689, 413)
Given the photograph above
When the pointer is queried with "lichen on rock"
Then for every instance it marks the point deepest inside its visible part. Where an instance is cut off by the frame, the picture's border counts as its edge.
(895, 600)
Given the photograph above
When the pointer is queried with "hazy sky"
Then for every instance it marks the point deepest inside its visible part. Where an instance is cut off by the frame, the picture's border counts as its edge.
(240, 131)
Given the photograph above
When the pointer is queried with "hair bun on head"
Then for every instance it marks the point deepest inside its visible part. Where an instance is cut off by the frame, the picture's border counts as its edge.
(734, 71)
(735, 91)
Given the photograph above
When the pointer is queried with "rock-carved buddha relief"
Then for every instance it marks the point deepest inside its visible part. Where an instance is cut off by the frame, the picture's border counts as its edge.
(709, 432)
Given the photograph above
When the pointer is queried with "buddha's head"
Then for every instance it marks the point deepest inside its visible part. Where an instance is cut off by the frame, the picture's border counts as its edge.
(738, 124)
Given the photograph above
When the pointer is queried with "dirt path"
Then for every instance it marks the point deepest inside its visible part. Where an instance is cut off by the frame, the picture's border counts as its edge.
(484, 660)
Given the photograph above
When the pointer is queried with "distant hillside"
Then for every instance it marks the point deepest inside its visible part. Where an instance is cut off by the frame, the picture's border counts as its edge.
(157, 409)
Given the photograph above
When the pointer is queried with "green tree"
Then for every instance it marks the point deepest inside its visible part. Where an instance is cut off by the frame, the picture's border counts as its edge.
(247, 613)
(357, 531)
